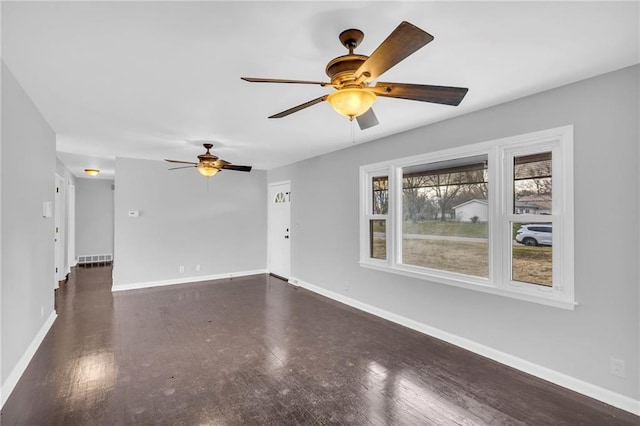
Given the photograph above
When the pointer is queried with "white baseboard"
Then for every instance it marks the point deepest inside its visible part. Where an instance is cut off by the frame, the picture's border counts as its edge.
(12, 380)
(607, 396)
(185, 280)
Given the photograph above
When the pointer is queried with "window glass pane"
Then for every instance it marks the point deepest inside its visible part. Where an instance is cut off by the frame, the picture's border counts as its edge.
(380, 186)
(532, 181)
(532, 253)
(445, 213)
(378, 239)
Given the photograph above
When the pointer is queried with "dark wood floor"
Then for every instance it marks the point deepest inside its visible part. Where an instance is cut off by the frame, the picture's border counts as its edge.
(255, 350)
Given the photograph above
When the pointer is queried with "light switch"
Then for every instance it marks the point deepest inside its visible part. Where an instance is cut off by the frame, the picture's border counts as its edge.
(47, 209)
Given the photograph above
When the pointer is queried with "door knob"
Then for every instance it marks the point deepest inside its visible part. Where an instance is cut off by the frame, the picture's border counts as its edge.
(286, 236)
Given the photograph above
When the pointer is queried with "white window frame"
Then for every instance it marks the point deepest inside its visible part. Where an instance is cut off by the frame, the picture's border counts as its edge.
(500, 155)
(366, 203)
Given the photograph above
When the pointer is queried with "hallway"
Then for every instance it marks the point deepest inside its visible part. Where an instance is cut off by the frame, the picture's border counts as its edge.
(255, 350)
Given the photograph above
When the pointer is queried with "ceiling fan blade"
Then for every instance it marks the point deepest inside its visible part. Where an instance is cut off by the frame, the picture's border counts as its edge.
(421, 92)
(178, 161)
(277, 80)
(368, 119)
(237, 168)
(402, 42)
(299, 107)
(181, 167)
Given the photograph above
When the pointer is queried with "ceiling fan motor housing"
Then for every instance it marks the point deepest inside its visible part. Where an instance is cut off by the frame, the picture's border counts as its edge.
(207, 159)
(341, 70)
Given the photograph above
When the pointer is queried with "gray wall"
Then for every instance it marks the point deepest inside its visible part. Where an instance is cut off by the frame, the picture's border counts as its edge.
(579, 343)
(185, 219)
(94, 216)
(27, 181)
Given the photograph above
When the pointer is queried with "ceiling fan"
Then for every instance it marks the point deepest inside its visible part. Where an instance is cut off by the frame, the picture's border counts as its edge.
(352, 74)
(208, 164)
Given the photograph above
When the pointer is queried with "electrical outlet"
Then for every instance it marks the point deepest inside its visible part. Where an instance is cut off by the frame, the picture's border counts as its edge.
(617, 367)
(181, 269)
(197, 268)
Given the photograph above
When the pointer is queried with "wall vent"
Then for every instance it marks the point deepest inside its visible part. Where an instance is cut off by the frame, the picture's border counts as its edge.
(95, 258)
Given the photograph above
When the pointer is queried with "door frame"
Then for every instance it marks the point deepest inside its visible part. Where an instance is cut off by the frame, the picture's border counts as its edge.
(71, 226)
(271, 233)
(58, 225)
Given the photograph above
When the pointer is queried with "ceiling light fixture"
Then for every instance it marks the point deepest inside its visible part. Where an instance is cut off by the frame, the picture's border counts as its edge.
(207, 170)
(351, 102)
(92, 172)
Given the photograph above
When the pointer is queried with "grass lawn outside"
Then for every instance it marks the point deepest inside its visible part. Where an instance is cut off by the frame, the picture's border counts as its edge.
(533, 264)
(530, 264)
(449, 228)
(453, 256)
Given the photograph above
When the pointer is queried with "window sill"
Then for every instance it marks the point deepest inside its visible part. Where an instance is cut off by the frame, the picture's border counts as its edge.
(471, 283)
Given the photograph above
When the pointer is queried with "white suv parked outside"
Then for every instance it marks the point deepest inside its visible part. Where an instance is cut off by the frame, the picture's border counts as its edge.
(535, 234)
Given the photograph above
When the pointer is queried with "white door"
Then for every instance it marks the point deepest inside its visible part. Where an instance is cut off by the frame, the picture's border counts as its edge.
(58, 218)
(71, 227)
(279, 229)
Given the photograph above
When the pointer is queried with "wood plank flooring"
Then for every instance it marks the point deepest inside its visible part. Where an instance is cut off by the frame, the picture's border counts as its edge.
(255, 350)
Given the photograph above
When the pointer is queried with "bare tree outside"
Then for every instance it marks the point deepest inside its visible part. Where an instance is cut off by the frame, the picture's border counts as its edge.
(442, 188)
(380, 187)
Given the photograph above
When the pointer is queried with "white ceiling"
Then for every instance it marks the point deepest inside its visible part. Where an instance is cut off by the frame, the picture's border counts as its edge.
(154, 79)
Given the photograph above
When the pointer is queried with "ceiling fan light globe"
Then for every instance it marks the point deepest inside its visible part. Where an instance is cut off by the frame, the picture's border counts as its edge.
(207, 171)
(351, 102)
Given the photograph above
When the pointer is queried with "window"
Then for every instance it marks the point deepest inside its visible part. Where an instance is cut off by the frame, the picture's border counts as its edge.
(377, 213)
(444, 216)
(494, 216)
(532, 247)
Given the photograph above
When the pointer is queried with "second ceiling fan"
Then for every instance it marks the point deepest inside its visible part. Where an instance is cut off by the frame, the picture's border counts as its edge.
(352, 74)
(209, 164)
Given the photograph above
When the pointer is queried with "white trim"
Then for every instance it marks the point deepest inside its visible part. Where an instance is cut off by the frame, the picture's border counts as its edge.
(12, 380)
(473, 283)
(366, 203)
(174, 281)
(597, 392)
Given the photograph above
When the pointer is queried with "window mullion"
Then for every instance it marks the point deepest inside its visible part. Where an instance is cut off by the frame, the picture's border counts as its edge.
(395, 215)
(497, 208)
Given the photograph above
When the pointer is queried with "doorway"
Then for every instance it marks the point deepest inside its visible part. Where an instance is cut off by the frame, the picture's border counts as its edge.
(71, 228)
(58, 215)
(279, 246)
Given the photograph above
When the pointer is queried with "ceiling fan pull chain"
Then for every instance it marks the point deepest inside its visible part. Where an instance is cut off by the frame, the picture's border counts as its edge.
(353, 132)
